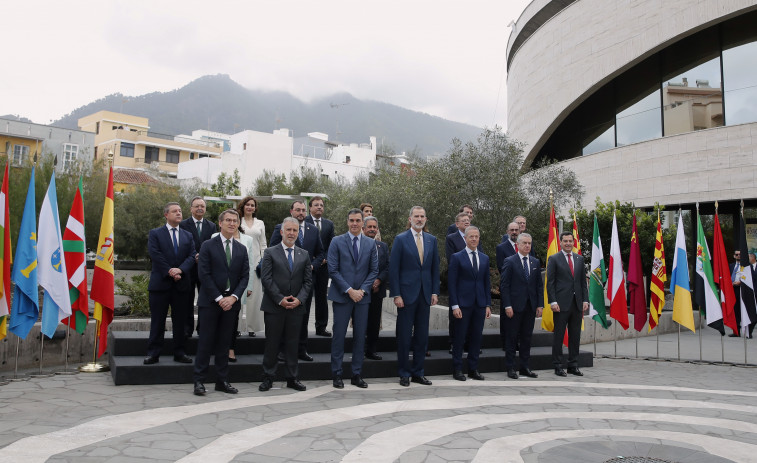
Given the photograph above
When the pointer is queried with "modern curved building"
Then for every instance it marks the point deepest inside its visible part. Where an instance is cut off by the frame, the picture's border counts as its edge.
(646, 100)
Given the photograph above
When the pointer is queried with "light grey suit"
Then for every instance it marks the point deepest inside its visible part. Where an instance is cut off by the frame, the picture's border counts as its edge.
(279, 282)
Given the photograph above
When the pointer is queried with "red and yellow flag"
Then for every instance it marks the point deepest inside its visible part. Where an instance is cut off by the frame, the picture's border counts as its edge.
(74, 251)
(659, 277)
(553, 247)
(103, 287)
(576, 238)
(5, 257)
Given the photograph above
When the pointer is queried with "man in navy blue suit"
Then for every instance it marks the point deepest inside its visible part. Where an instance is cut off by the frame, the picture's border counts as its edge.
(353, 267)
(455, 241)
(201, 229)
(224, 268)
(522, 291)
(470, 302)
(378, 289)
(468, 211)
(321, 272)
(508, 247)
(414, 285)
(308, 239)
(172, 252)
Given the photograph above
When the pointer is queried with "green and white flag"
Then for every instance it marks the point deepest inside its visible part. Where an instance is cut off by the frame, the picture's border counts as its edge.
(598, 274)
(706, 294)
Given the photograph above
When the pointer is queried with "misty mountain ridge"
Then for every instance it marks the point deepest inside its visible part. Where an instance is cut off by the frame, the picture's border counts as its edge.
(219, 104)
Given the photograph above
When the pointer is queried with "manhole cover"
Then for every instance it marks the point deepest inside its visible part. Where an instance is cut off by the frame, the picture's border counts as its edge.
(637, 460)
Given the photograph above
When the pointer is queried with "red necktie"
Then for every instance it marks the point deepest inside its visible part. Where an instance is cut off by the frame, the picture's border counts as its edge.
(516, 247)
(570, 264)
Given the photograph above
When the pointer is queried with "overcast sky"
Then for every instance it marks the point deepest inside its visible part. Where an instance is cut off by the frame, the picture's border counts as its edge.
(441, 57)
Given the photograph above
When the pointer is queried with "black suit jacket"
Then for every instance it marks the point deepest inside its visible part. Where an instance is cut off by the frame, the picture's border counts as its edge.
(208, 228)
(450, 230)
(215, 273)
(562, 287)
(327, 232)
(160, 248)
(383, 266)
(313, 244)
(515, 289)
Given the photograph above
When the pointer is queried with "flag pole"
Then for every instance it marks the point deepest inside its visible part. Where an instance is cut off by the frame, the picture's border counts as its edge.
(679, 342)
(595, 339)
(41, 353)
(68, 335)
(15, 369)
(94, 367)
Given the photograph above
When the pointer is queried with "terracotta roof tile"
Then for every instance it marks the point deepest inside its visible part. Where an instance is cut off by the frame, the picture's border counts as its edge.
(133, 176)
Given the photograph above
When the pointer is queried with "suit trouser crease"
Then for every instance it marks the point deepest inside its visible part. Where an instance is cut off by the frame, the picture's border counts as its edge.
(412, 330)
(472, 322)
(180, 302)
(375, 308)
(572, 320)
(341, 319)
(282, 327)
(320, 290)
(519, 327)
(215, 339)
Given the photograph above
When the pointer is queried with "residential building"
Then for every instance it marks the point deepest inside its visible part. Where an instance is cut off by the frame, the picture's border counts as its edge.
(19, 141)
(134, 146)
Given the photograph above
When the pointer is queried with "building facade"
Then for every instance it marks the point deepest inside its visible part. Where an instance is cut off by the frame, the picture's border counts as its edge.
(251, 153)
(646, 101)
(20, 141)
(134, 146)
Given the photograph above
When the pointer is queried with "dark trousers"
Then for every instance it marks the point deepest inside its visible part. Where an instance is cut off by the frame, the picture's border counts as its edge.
(412, 330)
(521, 326)
(180, 303)
(304, 325)
(215, 339)
(374, 321)
(471, 322)
(572, 320)
(320, 289)
(343, 311)
(281, 327)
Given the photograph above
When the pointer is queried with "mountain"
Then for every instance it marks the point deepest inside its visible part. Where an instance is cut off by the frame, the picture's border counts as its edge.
(219, 104)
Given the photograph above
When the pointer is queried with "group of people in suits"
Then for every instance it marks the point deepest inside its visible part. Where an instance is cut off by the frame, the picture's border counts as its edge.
(303, 254)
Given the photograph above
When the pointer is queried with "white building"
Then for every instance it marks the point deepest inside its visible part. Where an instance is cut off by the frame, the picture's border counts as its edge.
(252, 153)
(19, 141)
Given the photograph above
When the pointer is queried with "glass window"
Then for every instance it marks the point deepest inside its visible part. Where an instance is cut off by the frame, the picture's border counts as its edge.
(172, 156)
(693, 99)
(151, 154)
(598, 121)
(70, 153)
(740, 82)
(127, 150)
(20, 154)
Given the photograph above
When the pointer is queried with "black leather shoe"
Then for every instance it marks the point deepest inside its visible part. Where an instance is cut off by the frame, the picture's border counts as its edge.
(450, 350)
(458, 375)
(475, 375)
(512, 374)
(266, 385)
(251, 334)
(225, 386)
(150, 360)
(528, 372)
(421, 380)
(199, 388)
(373, 356)
(280, 357)
(428, 353)
(575, 371)
(305, 357)
(357, 380)
(295, 384)
(182, 359)
(404, 381)
(233, 359)
(337, 382)
(325, 333)
(560, 372)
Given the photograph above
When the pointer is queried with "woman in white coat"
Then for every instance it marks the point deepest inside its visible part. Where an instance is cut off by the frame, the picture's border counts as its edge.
(254, 228)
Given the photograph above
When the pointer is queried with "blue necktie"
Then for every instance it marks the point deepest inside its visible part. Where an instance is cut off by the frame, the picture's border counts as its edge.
(175, 243)
(300, 236)
(475, 263)
(289, 259)
(525, 267)
(354, 249)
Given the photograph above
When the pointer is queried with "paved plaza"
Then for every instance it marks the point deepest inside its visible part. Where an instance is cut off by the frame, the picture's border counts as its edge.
(660, 410)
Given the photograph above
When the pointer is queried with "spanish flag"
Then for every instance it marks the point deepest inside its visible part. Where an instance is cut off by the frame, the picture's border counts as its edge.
(5, 257)
(553, 247)
(103, 287)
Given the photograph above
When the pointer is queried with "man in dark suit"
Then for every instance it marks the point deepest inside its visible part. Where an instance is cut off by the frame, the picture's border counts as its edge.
(378, 289)
(321, 273)
(521, 221)
(470, 302)
(353, 267)
(414, 266)
(308, 239)
(568, 296)
(736, 290)
(224, 268)
(455, 241)
(522, 291)
(201, 229)
(287, 280)
(468, 211)
(508, 247)
(172, 252)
